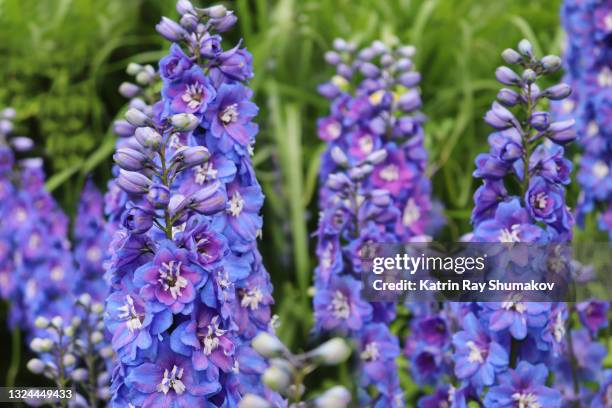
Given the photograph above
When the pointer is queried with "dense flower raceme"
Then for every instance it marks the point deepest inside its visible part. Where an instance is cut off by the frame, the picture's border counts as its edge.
(189, 290)
(374, 190)
(503, 352)
(588, 62)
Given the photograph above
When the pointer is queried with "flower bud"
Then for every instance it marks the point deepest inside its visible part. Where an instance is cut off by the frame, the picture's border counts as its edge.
(138, 220)
(107, 352)
(8, 113)
(540, 120)
(386, 60)
(76, 321)
(123, 128)
(499, 117)
(130, 159)
(557, 92)
(332, 352)
(184, 7)
(22, 143)
(340, 44)
(216, 11)
(332, 58)
(189, 22)
(338, 181)
(41, 322)
(158, 196)
(367, 54)
(208, 200)
(507, 76)
(40, 345)
(36, 366)
(85, 299)
(97, 337)
(409, 79)
(551, 63)
(184, 122)
(404, 65)
(148, 137)
(377, 156)
(170, 30)
(267, 345)
(128, 89)
(69, 331)
(57, 321)
(276, 378)
(97, 308)
(253, 401)
(369, 70)
(69, 359)
(335, 397)
(225, 23)
(562, 132)
(136, 117)
(79, 375)
(339, 157)
(360, 172)
(511, 56)
(525, 48)
(409, 101)
(187, 157)
(407, 51)
(508, 97)
(133, 183)
(381, 198)
(529, 76)
(133, 68)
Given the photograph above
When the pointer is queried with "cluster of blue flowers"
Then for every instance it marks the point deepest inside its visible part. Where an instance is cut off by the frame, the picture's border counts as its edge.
(189, 290)
(502, 351)
(374, 190)
(588, 62)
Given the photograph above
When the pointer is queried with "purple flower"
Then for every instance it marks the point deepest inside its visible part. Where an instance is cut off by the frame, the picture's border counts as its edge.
(339, 306)
(510, 224)
(192, 93)
(544, 200)
(593, 314)
(170, 381)
(230, 115)
(478, 358)
(517, 317)
(174, 65)
(524, 387)
(170, 279)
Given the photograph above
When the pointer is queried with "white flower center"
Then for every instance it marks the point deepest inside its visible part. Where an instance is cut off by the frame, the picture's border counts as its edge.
(517, 306)
(510, 235)
(340, 306)
(57, 273)
(592, 128)
(526, 400)
(172, 381)
(205, 172)
(608, 21)
(541, 199)
(389, 173)
(21, 215)
(229, 114)
(251, 299)
(34, 241)
(605, 77)
(366, 144)
(371, 352)
(567, 106)
(334, 129)
(559, 328)
(600, 170)
(171, 279)
(326, 257)
(94, 254)
(236, 204)
(128, 312)
(476, 354)
(411, 214)
(210, 340)
(194, 93)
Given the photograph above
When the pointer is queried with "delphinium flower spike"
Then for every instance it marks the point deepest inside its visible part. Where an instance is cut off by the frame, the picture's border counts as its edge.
(374, 190)
(189, 290)
(503, 352)
(588, 62)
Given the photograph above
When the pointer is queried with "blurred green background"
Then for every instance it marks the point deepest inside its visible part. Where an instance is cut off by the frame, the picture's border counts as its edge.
(62, 61)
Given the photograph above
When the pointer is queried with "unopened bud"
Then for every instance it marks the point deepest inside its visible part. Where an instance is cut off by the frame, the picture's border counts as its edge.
(332, 352)
(184, 122)
(276, 378)
(267, 345)
(253, 401)
(41, 322)
(36, 366)
(335, 397)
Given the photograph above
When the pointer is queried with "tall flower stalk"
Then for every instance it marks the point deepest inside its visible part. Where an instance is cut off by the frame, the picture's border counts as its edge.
(587, 61)
(374, 190)
(189, 290)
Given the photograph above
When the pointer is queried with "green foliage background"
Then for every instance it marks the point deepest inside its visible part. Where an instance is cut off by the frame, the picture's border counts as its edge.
(62, 61)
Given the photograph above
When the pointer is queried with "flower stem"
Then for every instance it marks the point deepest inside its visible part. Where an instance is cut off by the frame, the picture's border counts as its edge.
(11, 374)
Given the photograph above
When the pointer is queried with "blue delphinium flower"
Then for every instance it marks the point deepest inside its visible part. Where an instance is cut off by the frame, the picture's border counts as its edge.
(524, 387)
(189, 291)
(587, 61)
(374, 190)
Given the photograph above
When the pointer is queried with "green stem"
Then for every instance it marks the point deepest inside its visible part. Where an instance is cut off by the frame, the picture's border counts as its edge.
(514, 349)
(13, 370)
(572, 355)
